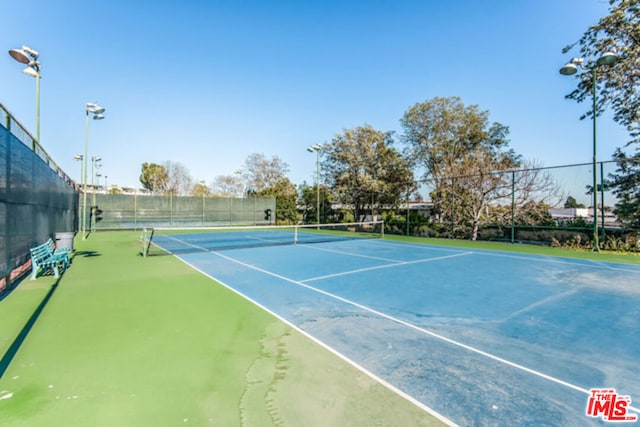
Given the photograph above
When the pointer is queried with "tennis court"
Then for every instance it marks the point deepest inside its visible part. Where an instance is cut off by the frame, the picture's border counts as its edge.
(479, 337)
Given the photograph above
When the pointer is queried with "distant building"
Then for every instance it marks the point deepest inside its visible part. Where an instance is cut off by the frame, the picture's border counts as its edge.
(569, 214)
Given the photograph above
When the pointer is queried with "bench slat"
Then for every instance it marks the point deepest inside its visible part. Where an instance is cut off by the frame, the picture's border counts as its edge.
(44, 258)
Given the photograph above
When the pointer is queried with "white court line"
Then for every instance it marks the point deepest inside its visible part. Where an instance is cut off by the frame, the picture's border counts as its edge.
(183, 242)
(526, 257)
(558, 260)
(378, 267)
(420, 329)
(333, 351)
(317, 248)
(202, 248)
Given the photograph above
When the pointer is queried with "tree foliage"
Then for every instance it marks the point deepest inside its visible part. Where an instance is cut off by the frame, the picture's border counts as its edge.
(572, 203)
(619, 31)
(169, 177)
(228, 186)
(180, 180)
(625, 184)
(260, 172)
(200, 190)
(286, 195)
(460, 153)
(309, 203)
(154, 177)
(365, 171)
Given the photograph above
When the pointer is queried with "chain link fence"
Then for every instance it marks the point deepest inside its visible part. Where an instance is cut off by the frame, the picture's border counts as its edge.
(553, 205)
(37, 199)
(124, 211)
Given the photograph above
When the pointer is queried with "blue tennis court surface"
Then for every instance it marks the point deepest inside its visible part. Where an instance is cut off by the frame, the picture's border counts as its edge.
(480, 337)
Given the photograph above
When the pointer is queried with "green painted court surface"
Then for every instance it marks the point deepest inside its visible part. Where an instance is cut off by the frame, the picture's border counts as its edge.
(127, 341)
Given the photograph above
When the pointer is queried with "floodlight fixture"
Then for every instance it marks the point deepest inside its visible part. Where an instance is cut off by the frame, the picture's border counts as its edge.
(19, 55)
(94, 108)
(29, 57)
(30, 72)
(24, 55)
(607, 58)
(569, 69)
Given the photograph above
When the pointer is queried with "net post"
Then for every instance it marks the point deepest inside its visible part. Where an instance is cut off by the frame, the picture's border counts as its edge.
(382, 229)
(145, 250)
(295, 234)
(143, 239)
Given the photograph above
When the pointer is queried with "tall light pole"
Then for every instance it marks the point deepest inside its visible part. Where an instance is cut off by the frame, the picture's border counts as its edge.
(98, 175)
(96, 112)
(203, 187)
(29, 56)
(607, 59)
(79, 158)
(311, 149)
(95, 165)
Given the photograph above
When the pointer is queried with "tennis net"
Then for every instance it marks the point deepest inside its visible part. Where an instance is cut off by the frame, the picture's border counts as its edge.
(167, 241)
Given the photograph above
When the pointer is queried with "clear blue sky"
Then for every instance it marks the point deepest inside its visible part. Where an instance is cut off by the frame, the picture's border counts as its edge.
(206, 83)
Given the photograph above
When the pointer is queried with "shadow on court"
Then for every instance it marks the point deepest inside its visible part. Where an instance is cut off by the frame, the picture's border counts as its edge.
(85, 254)
(22, 336)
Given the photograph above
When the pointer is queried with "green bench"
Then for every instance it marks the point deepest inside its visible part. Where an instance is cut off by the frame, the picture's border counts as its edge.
(46, 257)
(58, 251)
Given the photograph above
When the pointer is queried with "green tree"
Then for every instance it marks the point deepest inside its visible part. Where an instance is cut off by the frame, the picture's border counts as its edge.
(168, 177)
(309, 203)
(365, 171)
(625, 184)
(200, 190)
(535, 214)
(572, 203)
(286, 195)
(619, 31)
(154, 177)
(460, 153)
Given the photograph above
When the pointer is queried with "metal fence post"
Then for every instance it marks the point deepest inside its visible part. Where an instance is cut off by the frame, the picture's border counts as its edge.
(513, 206)
(603, 235)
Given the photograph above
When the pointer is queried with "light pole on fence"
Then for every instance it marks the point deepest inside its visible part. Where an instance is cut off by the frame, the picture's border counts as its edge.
(96, 112)
(29, 57)
(316, 148)
(203, 187)
(95, 165)
(607, 59)
(79, 158)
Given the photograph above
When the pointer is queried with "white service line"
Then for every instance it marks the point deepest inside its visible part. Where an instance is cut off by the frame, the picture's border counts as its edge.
(336, 251)
(378, 267)
(184, 242)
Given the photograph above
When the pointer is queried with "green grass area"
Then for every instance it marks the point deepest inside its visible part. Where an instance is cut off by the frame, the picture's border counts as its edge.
(122, 340)
(605, 256)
